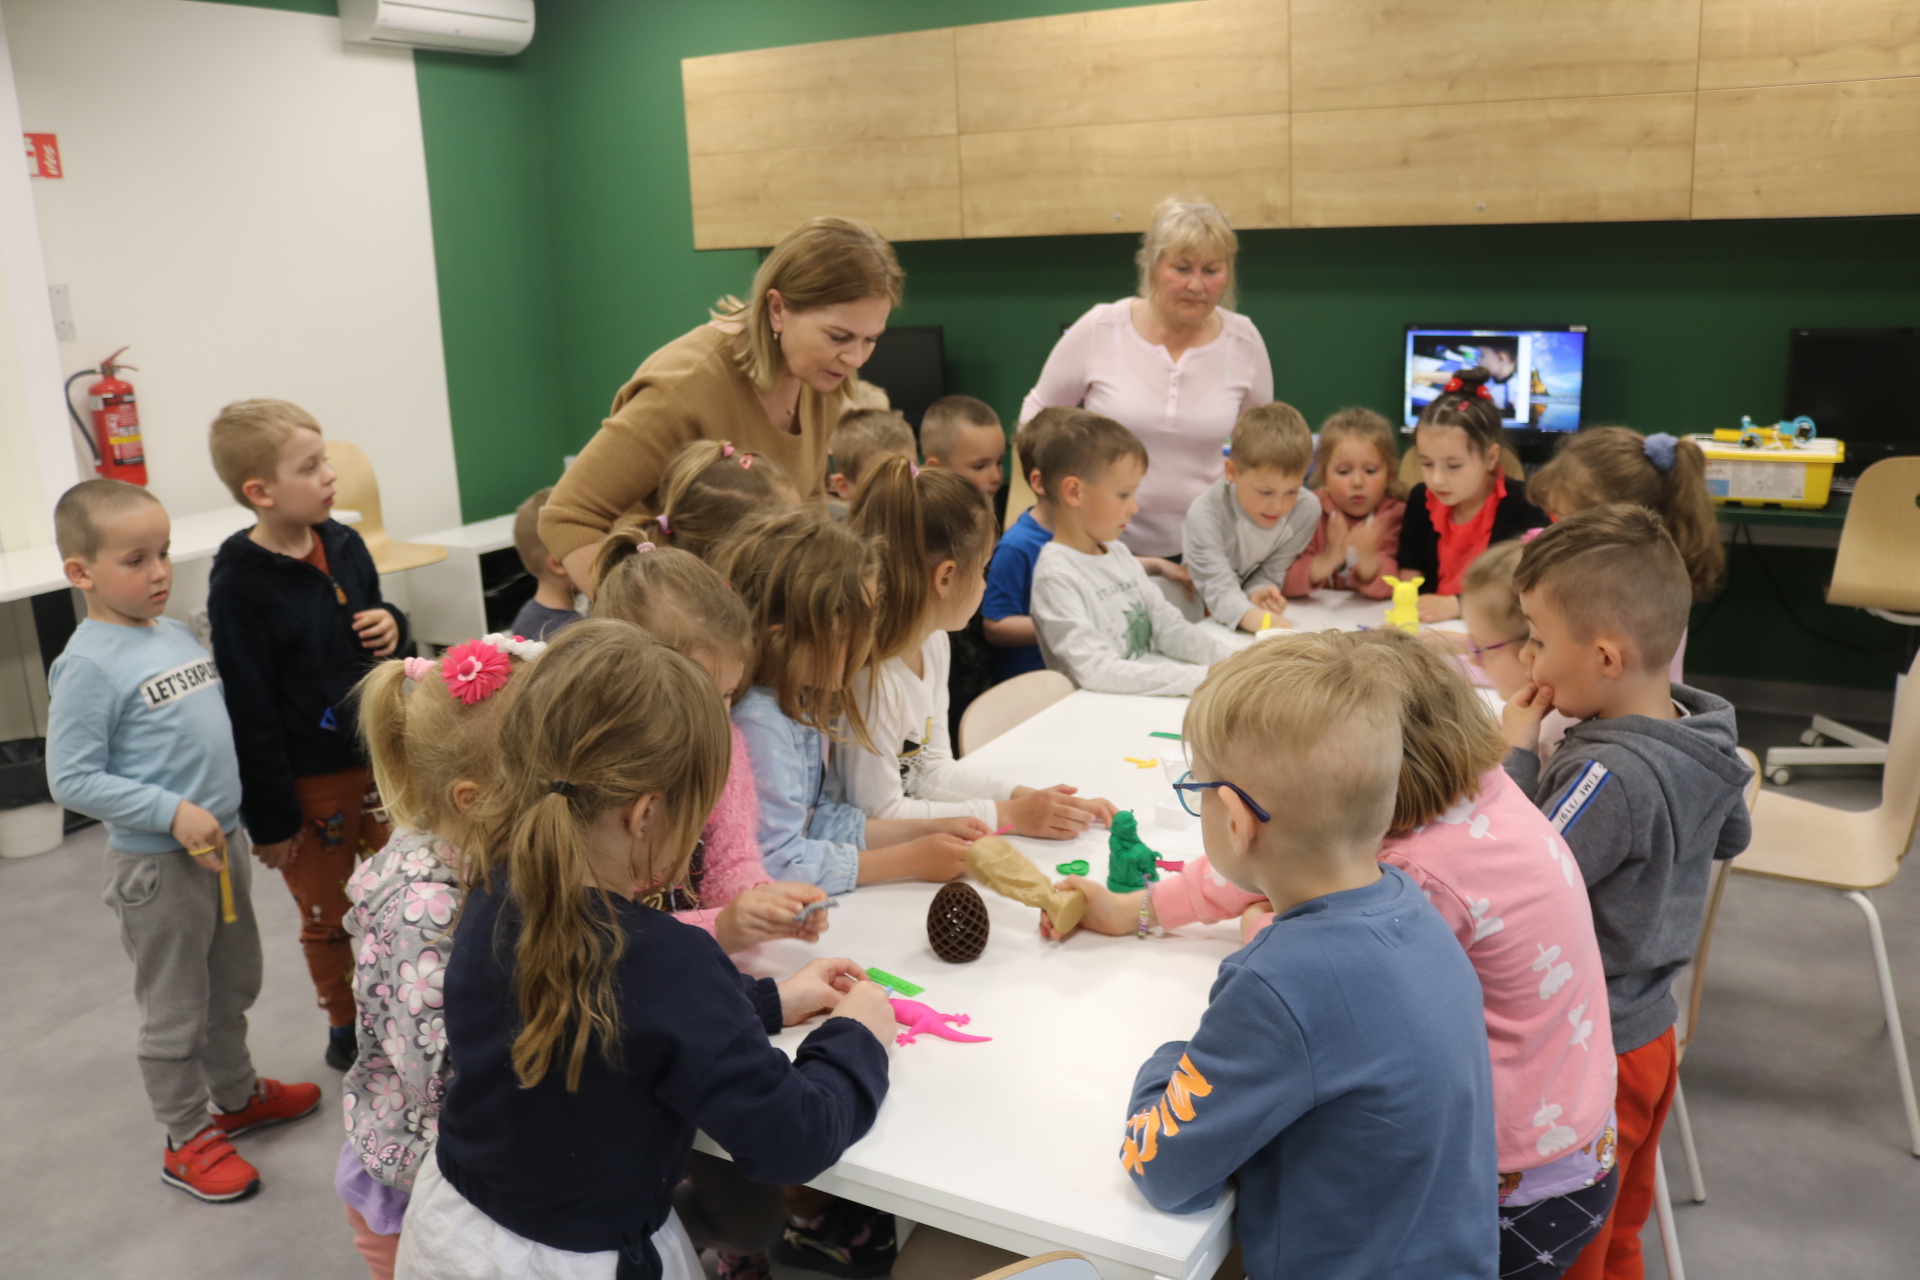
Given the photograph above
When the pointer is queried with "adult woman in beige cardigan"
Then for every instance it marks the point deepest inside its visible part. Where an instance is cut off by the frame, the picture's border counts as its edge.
(769, 374)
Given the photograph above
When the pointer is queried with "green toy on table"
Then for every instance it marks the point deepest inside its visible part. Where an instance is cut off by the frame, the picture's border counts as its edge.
(1130, 863)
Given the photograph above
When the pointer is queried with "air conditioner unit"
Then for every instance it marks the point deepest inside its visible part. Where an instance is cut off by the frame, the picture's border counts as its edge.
(500, 28)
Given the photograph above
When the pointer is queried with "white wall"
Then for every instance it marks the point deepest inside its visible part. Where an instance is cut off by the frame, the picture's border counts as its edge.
(246, 205)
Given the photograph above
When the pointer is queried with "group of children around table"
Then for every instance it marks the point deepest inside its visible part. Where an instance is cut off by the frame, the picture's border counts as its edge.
(1446, 1048)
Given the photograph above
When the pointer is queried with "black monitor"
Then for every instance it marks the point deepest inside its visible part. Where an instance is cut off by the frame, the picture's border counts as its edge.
(1858, 386)
(910, 364)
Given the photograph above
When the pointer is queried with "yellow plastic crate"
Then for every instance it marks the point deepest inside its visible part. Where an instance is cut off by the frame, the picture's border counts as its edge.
(1798, 477)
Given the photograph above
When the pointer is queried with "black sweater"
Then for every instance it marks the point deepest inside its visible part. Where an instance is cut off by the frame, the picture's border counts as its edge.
(1420, 541)
(289, 657)
(595, 1169)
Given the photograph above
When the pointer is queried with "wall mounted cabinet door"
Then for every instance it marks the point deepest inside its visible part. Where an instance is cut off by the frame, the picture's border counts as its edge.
(910, 190)
(1744, 43)
(1809, 151)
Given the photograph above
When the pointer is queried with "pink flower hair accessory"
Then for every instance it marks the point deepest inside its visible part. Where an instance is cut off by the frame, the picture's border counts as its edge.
(726, 449)
(474, 671)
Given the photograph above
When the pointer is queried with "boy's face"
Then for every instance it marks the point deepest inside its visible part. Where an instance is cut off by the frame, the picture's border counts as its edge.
(1576, 670)
(977, 453)
(132, 576)
(1266, 494)
(1111, 499)
(301, 491)
(1356, 477)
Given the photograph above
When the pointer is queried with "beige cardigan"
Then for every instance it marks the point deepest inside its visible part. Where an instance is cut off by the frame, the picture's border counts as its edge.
(691, 389)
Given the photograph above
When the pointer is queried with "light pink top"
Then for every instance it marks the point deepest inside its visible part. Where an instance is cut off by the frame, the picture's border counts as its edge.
(731, 860)
(1183, 410)
(1508, 887)
(1389, 513)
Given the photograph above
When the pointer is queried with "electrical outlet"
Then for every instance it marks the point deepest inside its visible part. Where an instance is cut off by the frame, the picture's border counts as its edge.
(62, 312)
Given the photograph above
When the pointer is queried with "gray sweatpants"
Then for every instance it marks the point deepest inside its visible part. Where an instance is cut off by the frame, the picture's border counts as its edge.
(194, 976)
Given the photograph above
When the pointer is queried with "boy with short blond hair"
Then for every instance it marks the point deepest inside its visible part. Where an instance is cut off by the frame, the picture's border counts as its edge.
(552, 606)
(1647, 790)
(1246, 529)
(1341, 1068)
(963, 434)
(1098, 618)
(297, 620)
(1007, 607)
(138, 737)
(863, 439)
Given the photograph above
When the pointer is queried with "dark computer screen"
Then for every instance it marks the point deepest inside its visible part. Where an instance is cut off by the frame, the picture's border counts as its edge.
(1859, 387)
(910, 364)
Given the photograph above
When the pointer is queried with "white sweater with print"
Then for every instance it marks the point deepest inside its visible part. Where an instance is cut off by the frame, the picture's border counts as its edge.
(1104, 625)
(913, 774)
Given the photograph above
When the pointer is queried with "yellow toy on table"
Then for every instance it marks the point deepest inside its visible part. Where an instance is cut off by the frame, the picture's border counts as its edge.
(1404, 613)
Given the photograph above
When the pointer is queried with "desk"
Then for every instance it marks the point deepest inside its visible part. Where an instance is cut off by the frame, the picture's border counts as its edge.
(36, 570)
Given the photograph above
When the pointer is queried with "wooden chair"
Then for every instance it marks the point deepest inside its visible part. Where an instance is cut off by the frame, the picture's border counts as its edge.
(1877, 568)
(358, 490)
(1009, 703)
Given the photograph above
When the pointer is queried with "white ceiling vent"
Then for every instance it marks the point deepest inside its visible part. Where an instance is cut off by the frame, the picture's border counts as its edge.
(500, 28)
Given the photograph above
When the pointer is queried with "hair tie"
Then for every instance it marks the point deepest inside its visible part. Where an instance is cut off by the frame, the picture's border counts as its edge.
(746, 461)
(1531, 534)
(1660, 450)
(665, 528)
(913, 469)
(640, 548)
(726, 448)
(417, 668)
(1455, 386)
(559, 788)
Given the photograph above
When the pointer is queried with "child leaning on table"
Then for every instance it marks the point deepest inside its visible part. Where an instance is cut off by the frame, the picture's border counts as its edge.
(1355, 546)
(1340, 1069)
(1096, 614)
(935, 532)
(593, 1035)
(432, 736)
(1245, 530)
(138, 737)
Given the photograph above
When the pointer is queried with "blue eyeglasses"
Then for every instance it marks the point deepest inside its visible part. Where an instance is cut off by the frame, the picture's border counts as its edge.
(1480, 651)
(1184, 788)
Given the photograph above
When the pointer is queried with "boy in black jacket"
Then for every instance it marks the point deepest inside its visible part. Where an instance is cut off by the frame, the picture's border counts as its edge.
(1647, 790)
(297, 620)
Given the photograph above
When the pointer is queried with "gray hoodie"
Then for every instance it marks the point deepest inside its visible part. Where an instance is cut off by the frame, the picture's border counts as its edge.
(1645, 805)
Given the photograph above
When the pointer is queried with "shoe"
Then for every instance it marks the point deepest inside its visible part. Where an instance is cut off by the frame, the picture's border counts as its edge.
(342, 1051)
(742, 1266)
(208, 1168)
(849, 1240)
(271, 1103)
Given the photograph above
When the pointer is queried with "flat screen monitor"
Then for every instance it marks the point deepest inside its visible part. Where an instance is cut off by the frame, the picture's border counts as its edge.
(909, 363)
(1536, 372)
(1857, 386)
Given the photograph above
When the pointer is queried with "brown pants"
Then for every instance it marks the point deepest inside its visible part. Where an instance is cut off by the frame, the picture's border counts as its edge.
(338, 827)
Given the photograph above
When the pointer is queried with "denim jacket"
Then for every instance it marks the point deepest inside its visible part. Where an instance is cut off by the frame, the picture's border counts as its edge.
(804, 835)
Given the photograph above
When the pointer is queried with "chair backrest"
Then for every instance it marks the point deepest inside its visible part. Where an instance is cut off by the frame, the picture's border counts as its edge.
(1900, 784)
(1063, 1264)
(1009, 703)
(356, 489)
(1876, 566)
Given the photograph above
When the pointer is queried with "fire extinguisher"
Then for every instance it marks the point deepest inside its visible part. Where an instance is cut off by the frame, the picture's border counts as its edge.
(118, 453)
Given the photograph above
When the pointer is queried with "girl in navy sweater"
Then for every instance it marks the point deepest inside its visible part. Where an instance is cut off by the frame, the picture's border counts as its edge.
(590, 1035)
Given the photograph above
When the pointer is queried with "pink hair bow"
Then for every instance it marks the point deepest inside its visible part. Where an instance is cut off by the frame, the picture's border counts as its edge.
(417, 668)
(726, 449)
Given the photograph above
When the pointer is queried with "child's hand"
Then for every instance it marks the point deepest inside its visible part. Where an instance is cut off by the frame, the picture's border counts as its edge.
(279, 855)
(200, 835)
(1267, 596)
(765, 912)
(1254, 919)
(1439, 608)
(1097, 809)
(1520, 718)
(1158, 568)
(968, 829)
(867, 1005)
(938, 858)
(377, 631)
(1114, 914)
(1363, 537)
(818, 988)
(1051, 814)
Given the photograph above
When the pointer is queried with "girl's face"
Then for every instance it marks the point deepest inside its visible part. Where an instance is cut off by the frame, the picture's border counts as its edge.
(824, 345)
(1454, 470)
(1494, 650)
(957, 594)
(1187, 286)
(1356, 479)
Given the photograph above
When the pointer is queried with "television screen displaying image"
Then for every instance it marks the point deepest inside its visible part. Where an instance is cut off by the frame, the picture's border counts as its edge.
(1536, 372)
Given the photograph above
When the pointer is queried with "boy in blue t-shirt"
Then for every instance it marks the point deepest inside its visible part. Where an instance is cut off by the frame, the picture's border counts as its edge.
(1007, 608)
(138, 737)
(1341, 1066)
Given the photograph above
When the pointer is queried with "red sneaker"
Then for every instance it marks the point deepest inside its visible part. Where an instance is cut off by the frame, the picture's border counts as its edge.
(208, 1168)
(271, 1103)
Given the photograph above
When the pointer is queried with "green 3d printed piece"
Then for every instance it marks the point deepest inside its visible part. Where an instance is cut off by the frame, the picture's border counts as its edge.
(1078, 867)
(1130, 863)
(899, 986)
(1160, 734)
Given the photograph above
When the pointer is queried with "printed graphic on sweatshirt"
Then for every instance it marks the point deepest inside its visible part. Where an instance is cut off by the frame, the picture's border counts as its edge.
(170, 686)
(913, 760)
(1175, 1106)
(1579, 796)
(1139, 637)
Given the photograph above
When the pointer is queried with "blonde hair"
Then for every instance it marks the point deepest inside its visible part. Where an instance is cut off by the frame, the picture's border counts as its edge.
(805, 579)
(81, 517)
(672, 595)
(821, 262)
(610, 715)
(1310, 726)
(1493, 573)
(1447, 738)
(708, 488)
(1612, 464)
(1272, 435)
(940, 424)
(422, 742)
(919, 518)
(245, 441)
(1365, 425)
(526, 533)
(1188, 224)
(1613, 567)
(865, 436)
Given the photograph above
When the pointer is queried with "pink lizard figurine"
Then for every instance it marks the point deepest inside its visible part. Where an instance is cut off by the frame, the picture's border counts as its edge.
(920, 1019)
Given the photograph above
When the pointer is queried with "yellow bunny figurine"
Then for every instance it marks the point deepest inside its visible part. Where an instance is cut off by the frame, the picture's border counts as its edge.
(1405, 611)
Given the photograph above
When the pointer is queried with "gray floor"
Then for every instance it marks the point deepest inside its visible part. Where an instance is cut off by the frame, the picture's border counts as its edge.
(1790, 1081)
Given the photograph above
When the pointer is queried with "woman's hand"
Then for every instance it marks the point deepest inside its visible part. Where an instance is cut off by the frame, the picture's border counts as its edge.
(1114, 914)
(767, 911)
(1439, 608)
(1159, 568)
(818, 988)
(867, 1005)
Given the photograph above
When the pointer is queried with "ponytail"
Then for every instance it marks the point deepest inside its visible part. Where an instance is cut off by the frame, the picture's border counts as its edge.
(921, 517)
(709, 487)
(382, 699)
(1687, 507)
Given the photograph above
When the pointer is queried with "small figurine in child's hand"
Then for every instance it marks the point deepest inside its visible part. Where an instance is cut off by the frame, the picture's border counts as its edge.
(1130, 863)
(377, 631)
(923, 1020)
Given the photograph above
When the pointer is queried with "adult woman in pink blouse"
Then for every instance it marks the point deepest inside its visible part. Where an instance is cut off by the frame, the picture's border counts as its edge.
(1175, 365)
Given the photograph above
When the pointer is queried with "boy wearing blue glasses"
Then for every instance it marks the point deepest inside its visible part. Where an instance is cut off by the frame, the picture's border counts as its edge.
(1341, 1066)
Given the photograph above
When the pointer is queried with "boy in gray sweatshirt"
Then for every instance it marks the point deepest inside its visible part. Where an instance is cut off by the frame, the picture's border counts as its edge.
(1646, 790)
(1247, 528)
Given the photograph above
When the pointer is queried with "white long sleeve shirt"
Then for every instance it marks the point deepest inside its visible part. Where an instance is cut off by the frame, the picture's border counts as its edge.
(1229, 555)
(913, 774)
(1183, 410)
(1102, 623)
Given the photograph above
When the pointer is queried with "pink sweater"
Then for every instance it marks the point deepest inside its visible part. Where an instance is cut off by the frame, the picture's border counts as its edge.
(1389, 513)
(732, 856)
(1507, 885)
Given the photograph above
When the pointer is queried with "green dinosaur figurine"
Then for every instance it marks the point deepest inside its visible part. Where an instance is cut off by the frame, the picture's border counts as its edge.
(1130, 863)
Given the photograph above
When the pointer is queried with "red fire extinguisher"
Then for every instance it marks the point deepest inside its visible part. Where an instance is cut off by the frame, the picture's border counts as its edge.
(118, 453)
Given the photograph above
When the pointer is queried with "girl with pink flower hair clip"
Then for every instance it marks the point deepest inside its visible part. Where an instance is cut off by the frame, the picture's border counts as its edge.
(431, 730)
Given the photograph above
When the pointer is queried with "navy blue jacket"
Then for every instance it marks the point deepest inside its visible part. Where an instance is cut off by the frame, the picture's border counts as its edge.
(288, 655)
(595, 1169)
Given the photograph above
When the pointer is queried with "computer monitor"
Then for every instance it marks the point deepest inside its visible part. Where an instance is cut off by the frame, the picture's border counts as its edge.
(1537, 372)
(910, 364)
(1858, 387)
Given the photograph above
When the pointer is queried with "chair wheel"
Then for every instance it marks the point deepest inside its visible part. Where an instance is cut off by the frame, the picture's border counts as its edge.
(1813, 738)
(1780, 777)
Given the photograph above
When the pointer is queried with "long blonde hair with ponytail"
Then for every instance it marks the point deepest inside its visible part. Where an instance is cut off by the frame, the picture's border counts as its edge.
(709, 487)
(920, 516)
(605, 717)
